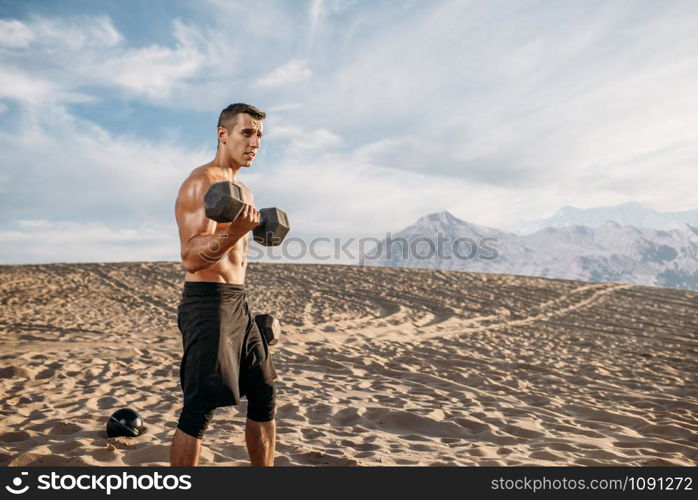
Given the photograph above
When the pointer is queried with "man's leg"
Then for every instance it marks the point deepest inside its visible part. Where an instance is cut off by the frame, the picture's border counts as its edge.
(257, 379)
(186, 443)
(260, 438)
(185, 450)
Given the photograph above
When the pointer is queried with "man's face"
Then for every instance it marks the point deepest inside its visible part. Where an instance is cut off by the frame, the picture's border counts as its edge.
(243, 141)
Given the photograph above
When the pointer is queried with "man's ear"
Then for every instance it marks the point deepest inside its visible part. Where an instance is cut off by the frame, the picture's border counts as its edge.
(222, 134)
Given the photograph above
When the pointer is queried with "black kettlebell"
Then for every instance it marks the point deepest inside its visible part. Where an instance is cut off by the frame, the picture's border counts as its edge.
(125, 422)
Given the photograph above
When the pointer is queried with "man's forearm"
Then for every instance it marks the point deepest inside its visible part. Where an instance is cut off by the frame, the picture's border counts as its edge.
(206, 250)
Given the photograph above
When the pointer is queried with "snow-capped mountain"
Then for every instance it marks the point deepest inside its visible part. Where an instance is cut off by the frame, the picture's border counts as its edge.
(609, 252)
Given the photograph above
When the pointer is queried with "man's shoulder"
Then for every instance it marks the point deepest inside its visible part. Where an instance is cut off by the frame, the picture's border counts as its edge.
(201, 178)
(201, 174)
(194, 185)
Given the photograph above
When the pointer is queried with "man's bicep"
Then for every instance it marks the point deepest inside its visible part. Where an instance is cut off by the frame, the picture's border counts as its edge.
(191, 215)
(195, 223)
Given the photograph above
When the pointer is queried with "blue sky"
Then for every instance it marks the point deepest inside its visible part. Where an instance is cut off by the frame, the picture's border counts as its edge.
(378, 113)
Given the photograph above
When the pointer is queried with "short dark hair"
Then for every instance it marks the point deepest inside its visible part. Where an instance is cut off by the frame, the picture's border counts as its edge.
(227, 117)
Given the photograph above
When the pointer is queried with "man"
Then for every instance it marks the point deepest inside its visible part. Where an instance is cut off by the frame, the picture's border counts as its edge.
(225, 356)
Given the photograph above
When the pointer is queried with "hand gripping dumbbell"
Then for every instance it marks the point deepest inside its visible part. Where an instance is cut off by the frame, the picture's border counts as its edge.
(224, 202)
(268, 326)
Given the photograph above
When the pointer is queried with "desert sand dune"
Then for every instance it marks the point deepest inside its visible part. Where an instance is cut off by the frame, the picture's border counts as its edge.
(377, 366)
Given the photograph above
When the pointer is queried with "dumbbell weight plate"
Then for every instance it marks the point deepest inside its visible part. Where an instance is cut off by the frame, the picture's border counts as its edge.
(223, 201)
(273, 227)
(268, 326)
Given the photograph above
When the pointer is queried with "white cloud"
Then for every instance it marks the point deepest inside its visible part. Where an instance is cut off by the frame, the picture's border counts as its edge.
(290, 73)
(14, 34)
(284, 107)
(335, 194)
(42, 241)
(303, 141)
(16, 84)
(531, 100)
(266, 20)
(314, 15)
(40, 223)
(70, 167)
(67, 43)
(66, 56)
(73, 34)
(154, 71)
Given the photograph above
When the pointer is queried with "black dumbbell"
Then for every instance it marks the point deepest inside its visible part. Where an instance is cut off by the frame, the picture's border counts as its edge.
(268, 326)
(224, 202)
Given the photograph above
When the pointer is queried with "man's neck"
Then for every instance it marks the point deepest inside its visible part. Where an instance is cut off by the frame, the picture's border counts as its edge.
(226, 163)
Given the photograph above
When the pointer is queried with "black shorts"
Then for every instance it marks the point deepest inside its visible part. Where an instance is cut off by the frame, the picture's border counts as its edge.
(225, 356)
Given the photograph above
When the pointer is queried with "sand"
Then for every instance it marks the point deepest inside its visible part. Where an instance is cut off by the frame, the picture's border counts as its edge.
(377, 367)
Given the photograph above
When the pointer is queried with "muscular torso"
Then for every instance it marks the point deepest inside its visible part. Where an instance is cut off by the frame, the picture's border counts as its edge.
(231, 267)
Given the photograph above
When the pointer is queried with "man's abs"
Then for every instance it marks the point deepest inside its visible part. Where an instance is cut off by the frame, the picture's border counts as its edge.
(229, 269)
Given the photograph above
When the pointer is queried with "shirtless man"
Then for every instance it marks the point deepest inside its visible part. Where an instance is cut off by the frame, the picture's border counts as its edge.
(225, 356)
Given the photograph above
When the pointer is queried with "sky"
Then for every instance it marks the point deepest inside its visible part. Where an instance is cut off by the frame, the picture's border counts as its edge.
(378, 113)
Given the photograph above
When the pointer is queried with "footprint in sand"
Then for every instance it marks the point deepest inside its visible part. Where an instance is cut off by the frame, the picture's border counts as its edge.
(311, 434)
(319, 458)
(402, 422)
(16, 372)
(65, 428)
(147, 454)
(346, 417)
(14, 437)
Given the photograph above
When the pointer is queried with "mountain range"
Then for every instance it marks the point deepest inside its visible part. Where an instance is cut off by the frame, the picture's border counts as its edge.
(609, 251)
(626, 214)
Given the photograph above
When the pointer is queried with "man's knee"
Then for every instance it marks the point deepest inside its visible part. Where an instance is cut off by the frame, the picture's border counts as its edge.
(261, 404)
(194, 421)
